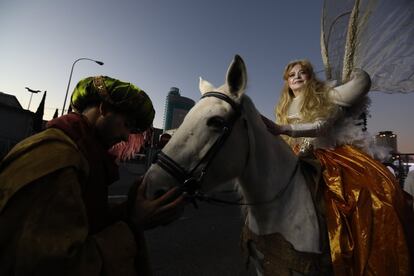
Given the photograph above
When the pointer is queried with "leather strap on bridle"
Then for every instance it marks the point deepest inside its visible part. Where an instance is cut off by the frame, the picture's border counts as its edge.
(189, 182)
(225, 98)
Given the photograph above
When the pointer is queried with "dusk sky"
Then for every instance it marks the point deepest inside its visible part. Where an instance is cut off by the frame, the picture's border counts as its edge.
(157, 44)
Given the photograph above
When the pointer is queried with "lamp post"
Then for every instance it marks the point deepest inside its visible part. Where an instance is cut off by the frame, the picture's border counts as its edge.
(31, 95)
(70, 77)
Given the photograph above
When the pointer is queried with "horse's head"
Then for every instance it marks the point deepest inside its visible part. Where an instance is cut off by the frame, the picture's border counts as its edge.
(208, 149)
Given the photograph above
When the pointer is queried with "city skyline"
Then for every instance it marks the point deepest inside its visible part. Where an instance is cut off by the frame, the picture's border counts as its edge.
(158, 45)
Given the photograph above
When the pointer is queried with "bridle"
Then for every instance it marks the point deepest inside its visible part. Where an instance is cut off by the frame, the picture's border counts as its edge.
(188, 180)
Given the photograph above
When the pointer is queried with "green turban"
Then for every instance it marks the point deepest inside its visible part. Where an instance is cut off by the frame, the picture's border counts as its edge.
(124, 97)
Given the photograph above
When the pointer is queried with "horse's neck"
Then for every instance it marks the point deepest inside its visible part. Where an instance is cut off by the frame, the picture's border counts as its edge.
(274, 181)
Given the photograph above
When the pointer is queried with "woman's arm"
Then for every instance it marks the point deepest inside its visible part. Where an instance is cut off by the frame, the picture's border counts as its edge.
(314, 129)
(350, 92)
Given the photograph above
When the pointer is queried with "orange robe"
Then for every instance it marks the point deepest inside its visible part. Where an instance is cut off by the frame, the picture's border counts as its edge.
(366, 214)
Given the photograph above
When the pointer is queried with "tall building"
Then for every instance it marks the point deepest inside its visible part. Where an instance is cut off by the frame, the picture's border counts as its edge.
(387, 139)
(176, 107)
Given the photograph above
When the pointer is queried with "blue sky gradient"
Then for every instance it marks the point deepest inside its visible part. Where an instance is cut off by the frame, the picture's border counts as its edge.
(162, 43)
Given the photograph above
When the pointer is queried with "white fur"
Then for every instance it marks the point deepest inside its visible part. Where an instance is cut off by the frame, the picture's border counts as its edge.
(347, 131)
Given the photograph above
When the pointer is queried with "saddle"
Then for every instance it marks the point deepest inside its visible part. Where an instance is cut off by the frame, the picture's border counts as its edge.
(286, 259)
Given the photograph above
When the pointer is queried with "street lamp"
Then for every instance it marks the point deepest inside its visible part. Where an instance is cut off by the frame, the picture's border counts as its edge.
(70, 77)
(31, 95)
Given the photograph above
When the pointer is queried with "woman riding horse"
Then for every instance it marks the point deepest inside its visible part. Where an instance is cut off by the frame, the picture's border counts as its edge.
(363, 201)
(223, 138)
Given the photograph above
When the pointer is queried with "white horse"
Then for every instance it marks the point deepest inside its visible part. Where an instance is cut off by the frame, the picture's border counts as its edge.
(264, 166)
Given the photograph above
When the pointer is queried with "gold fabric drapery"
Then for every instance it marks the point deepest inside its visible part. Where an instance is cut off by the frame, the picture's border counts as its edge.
(364, 214)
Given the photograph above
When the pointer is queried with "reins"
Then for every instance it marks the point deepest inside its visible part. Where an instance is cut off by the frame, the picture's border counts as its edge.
(204, 197)
(190, 182)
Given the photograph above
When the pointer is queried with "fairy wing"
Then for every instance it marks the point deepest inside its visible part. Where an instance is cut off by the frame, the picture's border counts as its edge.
(375, 35)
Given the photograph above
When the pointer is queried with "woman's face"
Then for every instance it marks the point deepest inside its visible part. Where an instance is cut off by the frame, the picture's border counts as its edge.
(297, 78)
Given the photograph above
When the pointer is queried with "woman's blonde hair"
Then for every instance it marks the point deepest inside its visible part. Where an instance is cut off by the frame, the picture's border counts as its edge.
(315, 103)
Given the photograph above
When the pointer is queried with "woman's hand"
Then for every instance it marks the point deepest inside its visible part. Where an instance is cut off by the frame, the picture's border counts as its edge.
(272, 127)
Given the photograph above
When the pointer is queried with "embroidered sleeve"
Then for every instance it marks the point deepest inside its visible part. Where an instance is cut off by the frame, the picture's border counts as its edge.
(314, 129)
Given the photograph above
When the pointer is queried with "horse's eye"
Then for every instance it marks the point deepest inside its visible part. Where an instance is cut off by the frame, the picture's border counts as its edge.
(216, 122)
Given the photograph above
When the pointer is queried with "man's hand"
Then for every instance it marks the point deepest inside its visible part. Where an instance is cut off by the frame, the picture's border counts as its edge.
(146, 214)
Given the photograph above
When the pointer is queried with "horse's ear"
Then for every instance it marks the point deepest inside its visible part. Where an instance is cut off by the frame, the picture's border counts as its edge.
(236, 78)
(205, 86)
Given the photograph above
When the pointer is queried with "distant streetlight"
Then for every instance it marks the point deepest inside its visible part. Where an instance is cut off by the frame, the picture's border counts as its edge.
(31, 95)
(70, 77)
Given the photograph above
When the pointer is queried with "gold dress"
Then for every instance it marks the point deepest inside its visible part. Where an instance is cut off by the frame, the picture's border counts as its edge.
(365, 214)
(368, 219)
